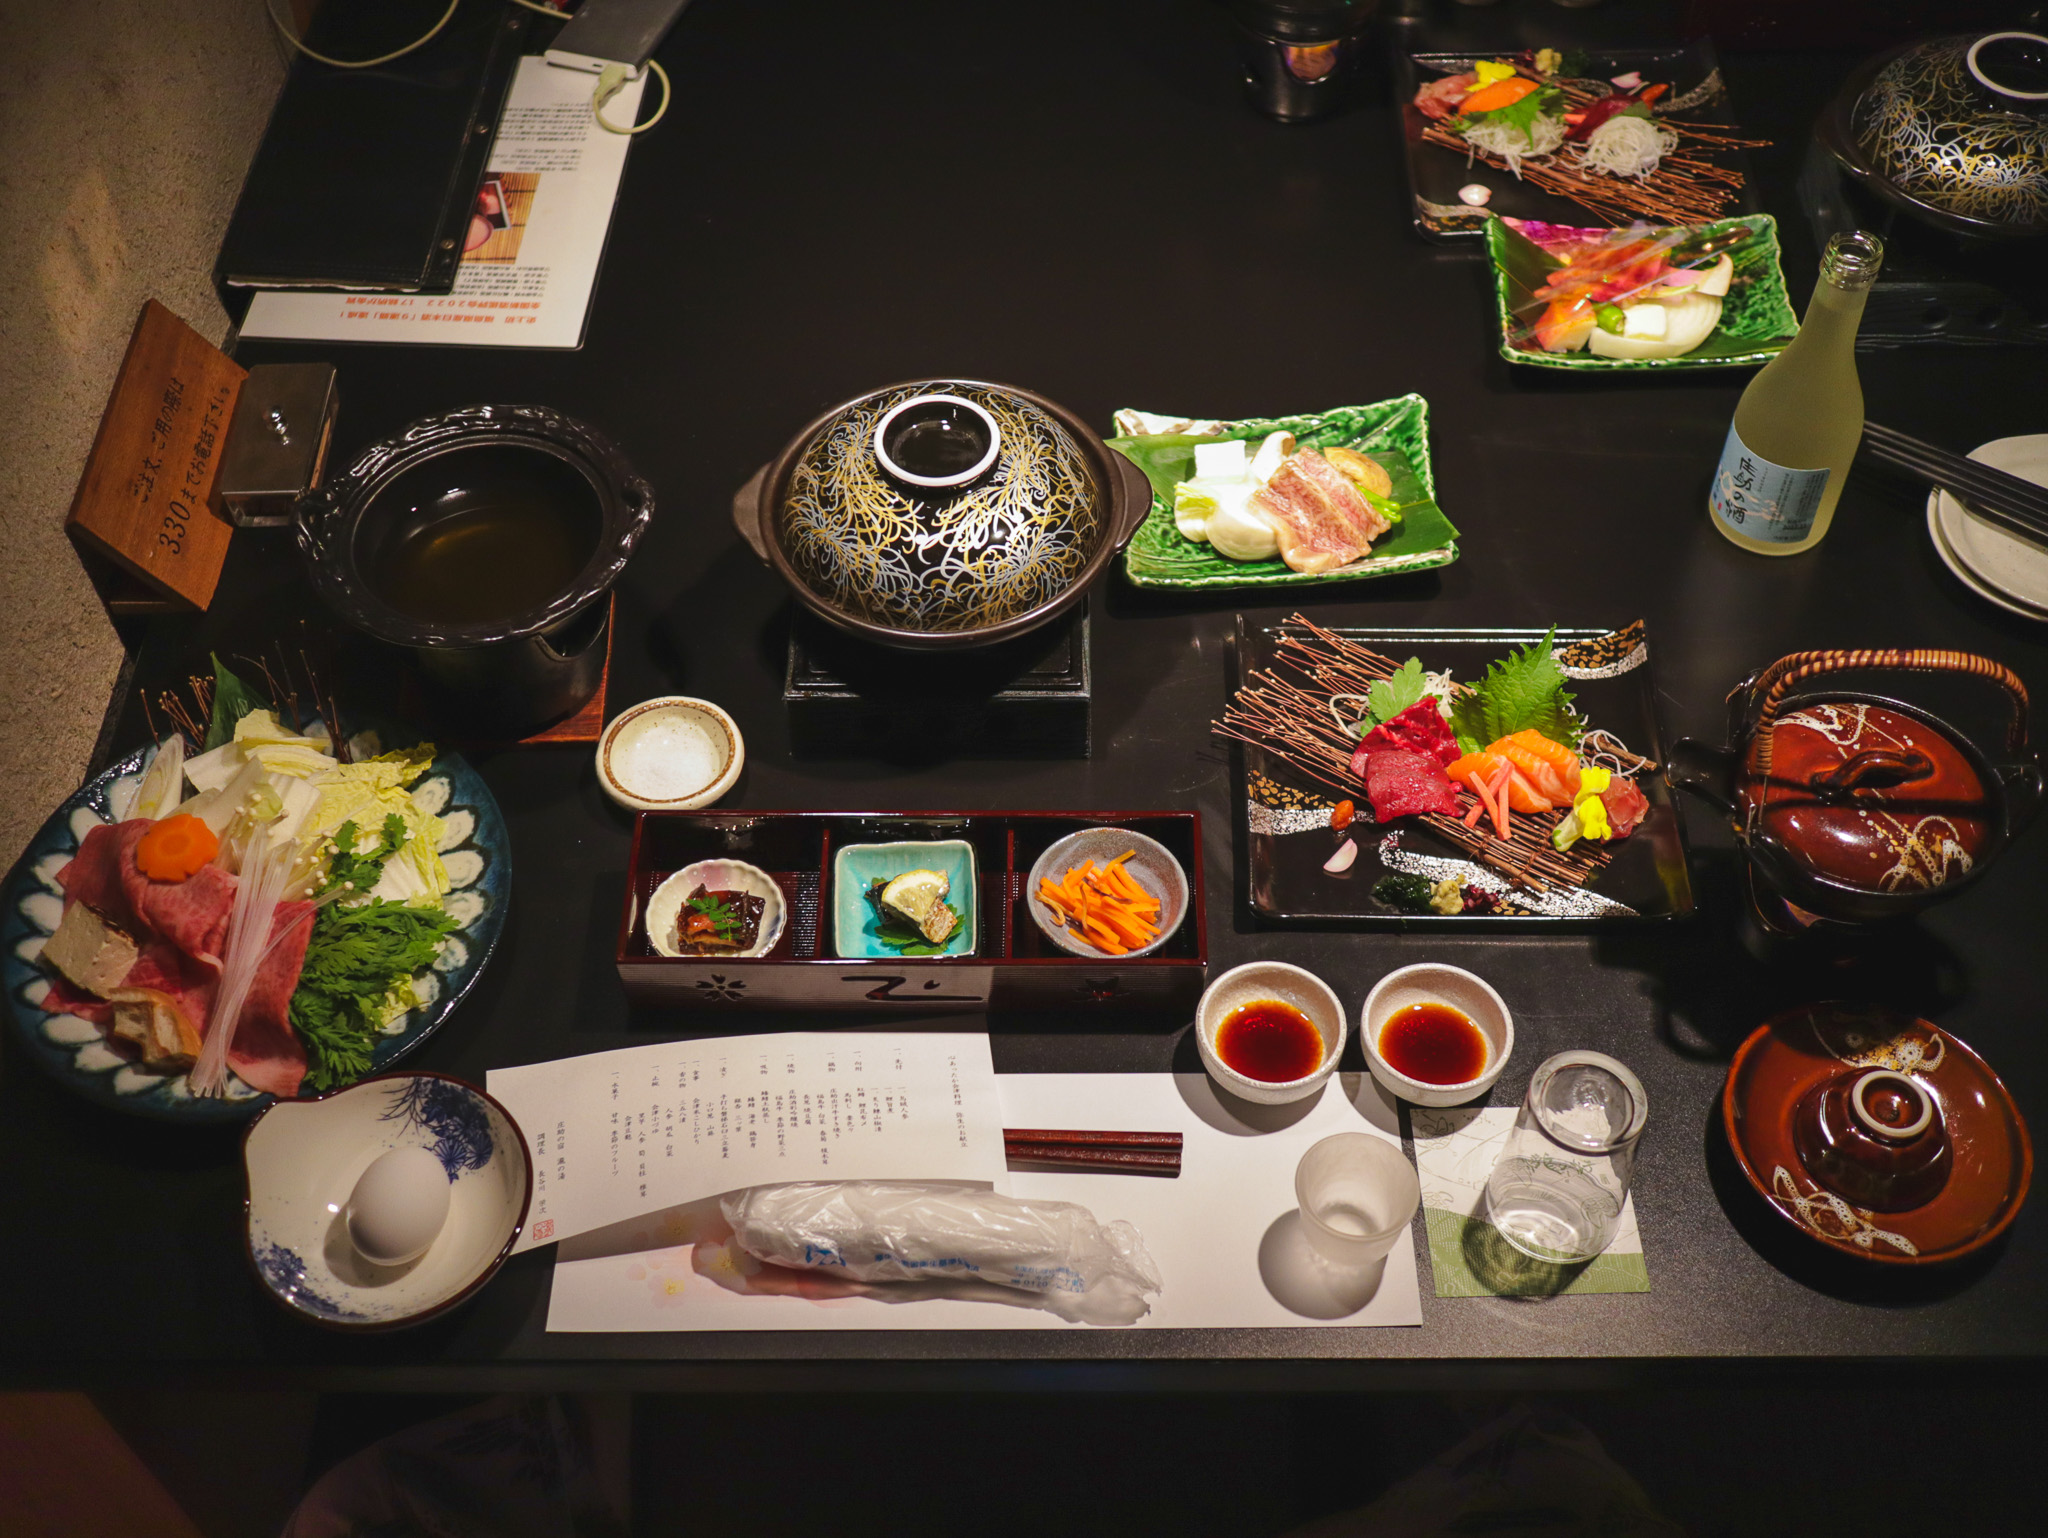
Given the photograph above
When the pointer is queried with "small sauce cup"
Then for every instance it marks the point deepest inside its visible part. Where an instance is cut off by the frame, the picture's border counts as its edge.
(1432, 982)
(673, 754)
(1249, 984)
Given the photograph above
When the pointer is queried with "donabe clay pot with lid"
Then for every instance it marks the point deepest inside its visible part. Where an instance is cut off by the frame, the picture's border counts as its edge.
(1953, 130)
(942, 514)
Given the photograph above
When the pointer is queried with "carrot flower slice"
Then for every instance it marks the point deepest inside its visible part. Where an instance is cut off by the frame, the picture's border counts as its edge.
(176, 849)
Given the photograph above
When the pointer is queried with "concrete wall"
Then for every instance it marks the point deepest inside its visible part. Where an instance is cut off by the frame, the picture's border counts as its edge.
(127, 126)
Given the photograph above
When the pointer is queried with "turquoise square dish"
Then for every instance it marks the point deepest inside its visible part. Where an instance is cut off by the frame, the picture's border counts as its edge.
(854, 869)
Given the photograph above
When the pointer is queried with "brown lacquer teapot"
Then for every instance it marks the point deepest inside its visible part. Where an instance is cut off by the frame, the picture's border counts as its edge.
(1855, 807)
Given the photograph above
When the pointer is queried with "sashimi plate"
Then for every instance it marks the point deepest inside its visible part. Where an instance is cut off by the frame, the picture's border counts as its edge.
(475, 847)
(1285, 817)
(1393, 432)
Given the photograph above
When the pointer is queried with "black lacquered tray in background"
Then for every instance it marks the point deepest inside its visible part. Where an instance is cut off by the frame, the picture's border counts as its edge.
(1285, 874)
(1435, 173)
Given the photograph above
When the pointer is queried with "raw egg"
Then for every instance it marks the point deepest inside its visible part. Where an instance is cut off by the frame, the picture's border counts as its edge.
(398, 1207)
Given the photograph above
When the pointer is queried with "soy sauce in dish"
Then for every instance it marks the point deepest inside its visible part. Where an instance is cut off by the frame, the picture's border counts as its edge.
(1272, 1042)
(1433, 1044)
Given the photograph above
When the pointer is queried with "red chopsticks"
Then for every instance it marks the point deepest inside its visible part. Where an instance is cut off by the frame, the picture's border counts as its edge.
(1127, 1153)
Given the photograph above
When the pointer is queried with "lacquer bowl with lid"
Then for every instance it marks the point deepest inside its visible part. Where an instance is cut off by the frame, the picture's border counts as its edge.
(942, 514)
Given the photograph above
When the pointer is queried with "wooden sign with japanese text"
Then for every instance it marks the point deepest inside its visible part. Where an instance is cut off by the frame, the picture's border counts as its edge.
(146, 519)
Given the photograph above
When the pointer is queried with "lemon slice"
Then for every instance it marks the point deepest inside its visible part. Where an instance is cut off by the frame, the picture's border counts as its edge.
(915, 893)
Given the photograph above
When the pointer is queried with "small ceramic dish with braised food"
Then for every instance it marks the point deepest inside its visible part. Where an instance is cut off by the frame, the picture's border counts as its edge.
(386, 1203)
(721, 908)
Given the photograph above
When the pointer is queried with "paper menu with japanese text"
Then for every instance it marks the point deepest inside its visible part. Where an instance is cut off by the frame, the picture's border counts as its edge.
(534, 240)
(616, 1134)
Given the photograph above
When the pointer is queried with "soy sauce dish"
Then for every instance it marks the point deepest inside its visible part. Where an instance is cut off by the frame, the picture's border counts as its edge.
(1243, 1027)
(672, 754)
(1435, 1035)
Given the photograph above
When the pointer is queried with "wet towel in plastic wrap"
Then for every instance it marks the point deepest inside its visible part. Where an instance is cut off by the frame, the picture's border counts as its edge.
(896, 1231)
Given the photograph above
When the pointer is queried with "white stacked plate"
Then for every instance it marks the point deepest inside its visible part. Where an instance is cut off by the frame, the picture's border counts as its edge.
(1996, 565)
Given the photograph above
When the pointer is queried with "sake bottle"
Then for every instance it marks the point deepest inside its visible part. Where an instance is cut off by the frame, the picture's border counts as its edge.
(1797, 425)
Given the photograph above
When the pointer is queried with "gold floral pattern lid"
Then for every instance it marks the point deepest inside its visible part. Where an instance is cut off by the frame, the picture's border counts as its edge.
(865, 538)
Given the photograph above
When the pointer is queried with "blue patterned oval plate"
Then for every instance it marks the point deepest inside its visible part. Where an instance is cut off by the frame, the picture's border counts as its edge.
(475, 847)
(303, 1159)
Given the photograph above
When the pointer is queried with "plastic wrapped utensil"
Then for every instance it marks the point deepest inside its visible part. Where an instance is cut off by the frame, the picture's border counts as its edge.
(897, 1231)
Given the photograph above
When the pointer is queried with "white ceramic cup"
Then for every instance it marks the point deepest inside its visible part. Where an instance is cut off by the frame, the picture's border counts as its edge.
(1430, 982)
(1357, 1195)
(1248, 984)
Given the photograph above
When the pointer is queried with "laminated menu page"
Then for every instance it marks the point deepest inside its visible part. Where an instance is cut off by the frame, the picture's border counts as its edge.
(617, 1134)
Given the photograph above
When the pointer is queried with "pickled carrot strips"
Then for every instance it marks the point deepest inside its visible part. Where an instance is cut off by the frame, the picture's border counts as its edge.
(1105, 905)
(1503, 817)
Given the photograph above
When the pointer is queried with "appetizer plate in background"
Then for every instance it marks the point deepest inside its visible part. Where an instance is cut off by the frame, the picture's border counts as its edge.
(1394, 432)
(1435, 173)
(1286, 817)
(475, 847)
(1756, 318)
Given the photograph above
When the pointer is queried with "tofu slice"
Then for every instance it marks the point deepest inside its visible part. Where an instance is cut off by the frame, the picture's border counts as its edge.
(90, 953)
(153, 1023)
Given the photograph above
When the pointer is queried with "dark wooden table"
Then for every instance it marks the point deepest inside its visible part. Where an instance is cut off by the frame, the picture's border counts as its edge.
(1073, 196)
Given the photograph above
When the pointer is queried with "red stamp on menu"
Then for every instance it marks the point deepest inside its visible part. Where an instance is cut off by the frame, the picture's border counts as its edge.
(544, 1229)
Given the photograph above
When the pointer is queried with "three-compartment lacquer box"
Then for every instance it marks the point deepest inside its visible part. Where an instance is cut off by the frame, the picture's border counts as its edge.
(1010, 964)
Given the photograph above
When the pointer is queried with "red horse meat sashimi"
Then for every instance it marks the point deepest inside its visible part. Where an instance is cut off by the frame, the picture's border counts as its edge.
(180, 933)
(1400, 784)
(1626, 806)
(1420, 728)
(1321, 520)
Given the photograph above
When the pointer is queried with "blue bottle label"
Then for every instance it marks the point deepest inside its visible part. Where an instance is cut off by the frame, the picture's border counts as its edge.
(1769, 502)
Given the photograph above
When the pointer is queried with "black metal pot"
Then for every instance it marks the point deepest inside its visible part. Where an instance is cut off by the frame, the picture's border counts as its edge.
(573, 494)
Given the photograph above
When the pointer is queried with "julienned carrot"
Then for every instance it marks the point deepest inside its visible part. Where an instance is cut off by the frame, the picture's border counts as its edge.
(1503, 817)
(1478, 811)
(1105, 906)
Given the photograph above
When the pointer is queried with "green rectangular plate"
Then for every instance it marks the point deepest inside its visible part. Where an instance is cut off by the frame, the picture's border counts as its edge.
(1756, 317)
(1395, 432)
(855, 867)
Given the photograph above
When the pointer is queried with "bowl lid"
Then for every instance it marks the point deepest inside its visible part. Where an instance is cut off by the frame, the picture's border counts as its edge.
(1871, 797)
(1012, 533)
(1785, 1059)
(1958, 124)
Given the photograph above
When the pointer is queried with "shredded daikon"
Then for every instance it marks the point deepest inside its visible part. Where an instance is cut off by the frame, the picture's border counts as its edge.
(1627, 146)
(1512, 145)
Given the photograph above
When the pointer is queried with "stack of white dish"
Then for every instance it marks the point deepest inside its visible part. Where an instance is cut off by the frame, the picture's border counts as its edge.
(1996, 565)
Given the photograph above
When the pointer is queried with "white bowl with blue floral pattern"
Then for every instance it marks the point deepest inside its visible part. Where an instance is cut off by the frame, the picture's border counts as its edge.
(303, 1159)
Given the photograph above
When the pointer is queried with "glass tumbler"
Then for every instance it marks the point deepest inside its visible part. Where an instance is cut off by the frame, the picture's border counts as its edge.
(1556, 1191)
(1358, 1194)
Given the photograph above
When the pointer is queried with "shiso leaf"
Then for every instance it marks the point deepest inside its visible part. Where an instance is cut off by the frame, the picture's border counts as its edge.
(1523, 690)
(232, 700)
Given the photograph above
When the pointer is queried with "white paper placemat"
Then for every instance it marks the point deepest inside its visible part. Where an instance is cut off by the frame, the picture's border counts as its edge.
(1224, 1233)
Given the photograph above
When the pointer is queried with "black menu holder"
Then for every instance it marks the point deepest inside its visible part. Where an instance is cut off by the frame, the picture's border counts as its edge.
(366, 177)
(1027, 698)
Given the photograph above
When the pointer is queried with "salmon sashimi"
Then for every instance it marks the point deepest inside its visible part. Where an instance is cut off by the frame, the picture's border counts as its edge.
(1549, 766)
(1476, 769)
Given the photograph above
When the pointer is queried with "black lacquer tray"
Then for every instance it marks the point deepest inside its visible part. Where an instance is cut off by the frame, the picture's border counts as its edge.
(1645, 880)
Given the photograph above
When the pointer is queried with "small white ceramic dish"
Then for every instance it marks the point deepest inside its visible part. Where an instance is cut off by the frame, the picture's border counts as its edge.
(303, 1158)
(673, 754)
(1152, 866)
(1249, 984)
(1430, 982)
(1998, 566)
(665, 903)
